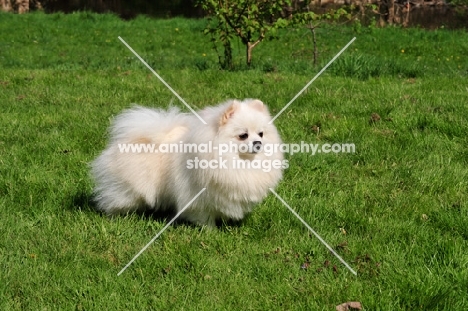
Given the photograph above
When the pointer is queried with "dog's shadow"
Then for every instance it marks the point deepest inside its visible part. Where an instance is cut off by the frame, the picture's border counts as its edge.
(84, 202)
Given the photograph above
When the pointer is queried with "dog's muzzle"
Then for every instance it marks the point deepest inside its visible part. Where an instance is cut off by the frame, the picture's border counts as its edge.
(256, 146)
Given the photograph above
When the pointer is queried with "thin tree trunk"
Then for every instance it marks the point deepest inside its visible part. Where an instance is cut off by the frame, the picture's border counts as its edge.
(249, 52)
(251, 45)
(227, 62)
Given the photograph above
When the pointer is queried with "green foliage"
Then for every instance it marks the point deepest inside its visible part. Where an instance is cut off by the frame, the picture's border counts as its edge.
(396, 210)
(367, 66)
(249, 20)
(311, 20)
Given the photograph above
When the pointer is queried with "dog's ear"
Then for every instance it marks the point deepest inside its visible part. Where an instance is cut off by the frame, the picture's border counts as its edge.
(257, 105)
(229, 112)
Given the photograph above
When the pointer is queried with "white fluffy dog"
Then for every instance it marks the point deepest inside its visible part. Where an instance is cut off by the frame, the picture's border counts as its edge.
(175, 155)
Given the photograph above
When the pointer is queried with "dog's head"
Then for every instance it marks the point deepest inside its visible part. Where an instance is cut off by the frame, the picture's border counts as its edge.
(245, 124)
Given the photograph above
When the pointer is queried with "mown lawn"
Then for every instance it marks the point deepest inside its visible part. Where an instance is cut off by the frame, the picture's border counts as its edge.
(396, 210)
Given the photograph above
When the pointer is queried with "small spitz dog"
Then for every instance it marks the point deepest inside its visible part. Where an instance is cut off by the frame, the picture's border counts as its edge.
(160, 160)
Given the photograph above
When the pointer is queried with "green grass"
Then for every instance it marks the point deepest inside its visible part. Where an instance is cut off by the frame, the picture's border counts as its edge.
(396, 210)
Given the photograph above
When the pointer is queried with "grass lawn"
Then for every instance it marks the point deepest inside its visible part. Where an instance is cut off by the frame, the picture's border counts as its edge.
(396, 210)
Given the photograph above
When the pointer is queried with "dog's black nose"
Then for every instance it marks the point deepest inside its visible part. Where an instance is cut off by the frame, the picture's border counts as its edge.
(257, 146)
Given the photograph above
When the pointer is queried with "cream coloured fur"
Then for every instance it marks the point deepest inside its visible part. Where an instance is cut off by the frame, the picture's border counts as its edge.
(127, 182)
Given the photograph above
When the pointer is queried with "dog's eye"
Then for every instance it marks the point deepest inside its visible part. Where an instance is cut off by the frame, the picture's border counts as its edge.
(260, 134)
(243, 136)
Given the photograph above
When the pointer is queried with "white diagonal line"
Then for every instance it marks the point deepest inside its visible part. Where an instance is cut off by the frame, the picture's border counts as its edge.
(315, 233)
(160, 232)
(313, 79)
(162, 80)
